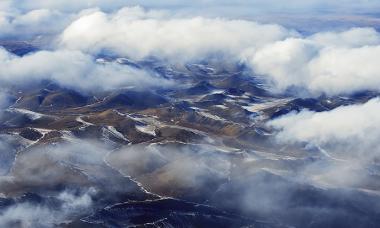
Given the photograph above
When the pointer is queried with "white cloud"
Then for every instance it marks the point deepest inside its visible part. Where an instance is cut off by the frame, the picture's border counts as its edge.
(347, 136)
(353, 38)
(331, 63)
(338, 71)
(138, 33)
(72, 69)
(5, 5)
(32, 23)
(344, 124)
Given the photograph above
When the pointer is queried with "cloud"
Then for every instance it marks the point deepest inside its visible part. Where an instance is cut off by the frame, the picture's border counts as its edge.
(29, 214)
(29, 25)
(5, 5)
(72, 164)
(173, 168)
(48, 17)
(55, 164)
(271, 189)
(343, 124)
(72, 69)
(138, 33)
(7, 153)
(347, 136)
(331, 63)
(317, 63)
(352, 38)
(56, 183)
(4, 101)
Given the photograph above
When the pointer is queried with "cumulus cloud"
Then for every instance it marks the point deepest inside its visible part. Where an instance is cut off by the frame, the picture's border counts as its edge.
(48, 17)
(15, 25)
(317, 63)
(138, 33)
(343, 124)
(72, 69)
(331, 63)
(328, 62)
(348, 136)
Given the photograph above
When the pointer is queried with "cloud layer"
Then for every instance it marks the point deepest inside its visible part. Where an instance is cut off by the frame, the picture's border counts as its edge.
(15, 25)
(355, 123)
(138, 33)
(72, 69)
(331, 63)
(29, 214)
(347, 135)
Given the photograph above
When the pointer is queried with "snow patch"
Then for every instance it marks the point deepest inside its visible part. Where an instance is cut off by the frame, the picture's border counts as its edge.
(147, 129)
(30, 114)
(211, 116)
(221, 106)
(257, 107)
(116, 133)
(85, 123)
